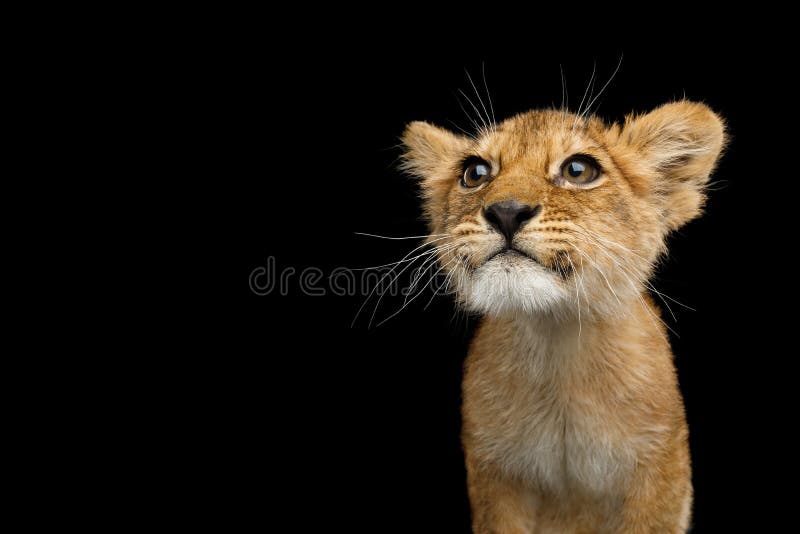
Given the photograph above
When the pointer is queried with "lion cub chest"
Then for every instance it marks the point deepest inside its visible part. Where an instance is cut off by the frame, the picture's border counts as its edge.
(546, 425)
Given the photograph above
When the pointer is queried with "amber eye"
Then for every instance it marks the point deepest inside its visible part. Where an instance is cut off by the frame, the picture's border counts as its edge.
(580, 170)
(475, 173)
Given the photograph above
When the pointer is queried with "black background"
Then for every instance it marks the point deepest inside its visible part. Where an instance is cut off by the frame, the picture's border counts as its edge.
(319, 424)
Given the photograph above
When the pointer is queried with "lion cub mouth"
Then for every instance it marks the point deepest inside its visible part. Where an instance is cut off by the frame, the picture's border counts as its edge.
(511, 254)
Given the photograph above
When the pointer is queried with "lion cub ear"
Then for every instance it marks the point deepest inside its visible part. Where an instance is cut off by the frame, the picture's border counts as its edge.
(679, 144)
(431, 152)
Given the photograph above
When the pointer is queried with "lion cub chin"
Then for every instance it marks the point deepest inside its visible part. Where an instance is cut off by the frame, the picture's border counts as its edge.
(549, 225)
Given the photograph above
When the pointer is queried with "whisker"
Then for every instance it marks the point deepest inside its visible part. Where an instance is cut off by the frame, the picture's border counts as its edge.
(404, 259)
(429, 262)
(403, 237)
(380, 281)
(596, 266)
(427, 252)
(723, 184)
(445, 283)
(407, 302)
(391, 282)
(480, 100)
(469, 117)
(589, 105)
(585, 93)
(641, 275)
(636, 289)
(488, 96)
(577, 296)
(670, 298)
(564, 97)
(462, 130)
(477, 111)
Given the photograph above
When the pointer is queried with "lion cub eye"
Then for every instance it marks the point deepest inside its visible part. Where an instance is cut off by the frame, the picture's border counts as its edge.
(476, 173)
(580, 170)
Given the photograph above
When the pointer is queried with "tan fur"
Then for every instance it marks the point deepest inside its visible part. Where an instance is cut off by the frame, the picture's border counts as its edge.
(573, 421)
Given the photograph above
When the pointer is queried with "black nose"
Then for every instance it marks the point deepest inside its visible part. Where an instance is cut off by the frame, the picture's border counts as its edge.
(509, 216)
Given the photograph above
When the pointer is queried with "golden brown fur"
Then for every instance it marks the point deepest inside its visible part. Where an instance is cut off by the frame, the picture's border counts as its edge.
(573, 421)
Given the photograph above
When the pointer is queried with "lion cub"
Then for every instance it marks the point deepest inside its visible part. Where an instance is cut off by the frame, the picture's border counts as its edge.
(549, 225)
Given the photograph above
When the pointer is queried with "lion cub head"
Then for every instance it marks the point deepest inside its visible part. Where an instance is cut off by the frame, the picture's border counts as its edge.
(552, 212)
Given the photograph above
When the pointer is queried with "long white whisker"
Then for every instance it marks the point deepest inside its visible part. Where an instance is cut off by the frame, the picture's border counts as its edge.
(646, 260)
(462, 130)
(591, 102)
(403, 237)
(480, 100)
(597, 266)
(637, 292)
(380, 281)
(636, 289)
(444, 284)
(407, 302)
(462, 260)
(637, 272)
(469, 117)
(396, 263)
(404, 258)
(664, 295)
(585, 93)
(391, 282)
(477, 111)
(429, 262)
(488, 96)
